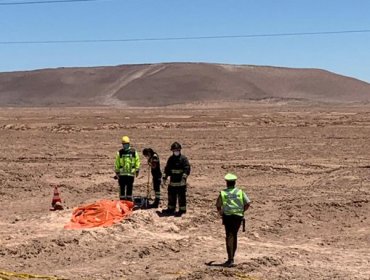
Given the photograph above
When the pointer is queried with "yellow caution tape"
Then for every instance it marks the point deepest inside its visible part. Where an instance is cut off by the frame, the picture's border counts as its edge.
(4, 275)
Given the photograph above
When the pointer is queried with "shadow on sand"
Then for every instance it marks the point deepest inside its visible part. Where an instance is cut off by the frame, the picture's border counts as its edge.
(225, 264)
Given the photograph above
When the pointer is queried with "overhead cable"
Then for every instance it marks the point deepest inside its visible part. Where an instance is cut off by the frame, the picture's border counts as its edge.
(123, 40)
(43, 2)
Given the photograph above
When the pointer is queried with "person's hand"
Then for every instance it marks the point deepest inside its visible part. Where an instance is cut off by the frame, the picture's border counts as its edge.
(137, 173)
(164, 182)
(183, 178)
(220, 213)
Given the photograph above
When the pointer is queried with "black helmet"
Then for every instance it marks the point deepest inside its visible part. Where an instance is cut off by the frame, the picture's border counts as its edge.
(175, 146)
(148, 152)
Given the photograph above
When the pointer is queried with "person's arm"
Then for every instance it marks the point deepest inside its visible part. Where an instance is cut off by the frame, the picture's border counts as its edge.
(137, 163)
(154, 161)
(186, 167)
(246, 206)
(219, 205)
(117, 164)
(247, 202)
(167, 169)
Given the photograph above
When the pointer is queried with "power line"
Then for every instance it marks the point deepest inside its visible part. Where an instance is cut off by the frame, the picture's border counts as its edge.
(88, 41)
(43, 2)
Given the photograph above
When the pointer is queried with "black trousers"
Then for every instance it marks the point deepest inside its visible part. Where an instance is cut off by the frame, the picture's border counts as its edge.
(174, 194)
(157, 187)
(126, 184)
(232, 224)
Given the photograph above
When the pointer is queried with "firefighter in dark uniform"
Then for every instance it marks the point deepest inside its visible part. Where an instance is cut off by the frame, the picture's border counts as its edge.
(231, 205)
(155, 167)
(178, 169)
(127, 166)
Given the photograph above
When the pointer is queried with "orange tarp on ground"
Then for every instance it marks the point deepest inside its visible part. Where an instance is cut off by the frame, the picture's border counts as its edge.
(102, 213)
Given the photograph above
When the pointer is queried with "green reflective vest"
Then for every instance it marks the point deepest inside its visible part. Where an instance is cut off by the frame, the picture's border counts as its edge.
(232, 202)
(127, 162)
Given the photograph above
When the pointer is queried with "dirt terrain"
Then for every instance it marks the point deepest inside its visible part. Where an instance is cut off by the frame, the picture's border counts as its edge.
(306, 169)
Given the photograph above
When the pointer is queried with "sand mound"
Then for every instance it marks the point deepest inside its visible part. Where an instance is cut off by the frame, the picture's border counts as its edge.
(175, 83)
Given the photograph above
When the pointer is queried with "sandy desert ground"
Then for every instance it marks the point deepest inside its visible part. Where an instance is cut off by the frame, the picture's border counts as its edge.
(306, 169)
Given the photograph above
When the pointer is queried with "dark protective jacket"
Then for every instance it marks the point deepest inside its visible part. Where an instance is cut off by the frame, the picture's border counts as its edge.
(155, 165)
(178, 169)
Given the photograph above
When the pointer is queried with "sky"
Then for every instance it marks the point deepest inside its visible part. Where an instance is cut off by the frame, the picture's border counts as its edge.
(346, 54)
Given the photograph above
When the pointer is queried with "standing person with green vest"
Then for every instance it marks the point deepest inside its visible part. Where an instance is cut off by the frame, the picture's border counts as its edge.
(127, 167)
(231, 205)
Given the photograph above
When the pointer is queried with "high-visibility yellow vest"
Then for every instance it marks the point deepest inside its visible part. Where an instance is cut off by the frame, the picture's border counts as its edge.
(127, 162)
(232, 202)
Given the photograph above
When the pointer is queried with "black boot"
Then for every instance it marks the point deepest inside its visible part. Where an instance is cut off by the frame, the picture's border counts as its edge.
(155, 203)
(180, 213)
(168, 211)
(229, 263)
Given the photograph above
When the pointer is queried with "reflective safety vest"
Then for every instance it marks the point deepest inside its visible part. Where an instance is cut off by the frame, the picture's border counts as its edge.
(232, 202)
(176, 178)
(127, 162)
(178, 168)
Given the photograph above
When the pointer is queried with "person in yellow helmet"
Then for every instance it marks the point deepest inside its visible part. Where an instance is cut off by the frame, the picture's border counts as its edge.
(127, 167)
(231, 205)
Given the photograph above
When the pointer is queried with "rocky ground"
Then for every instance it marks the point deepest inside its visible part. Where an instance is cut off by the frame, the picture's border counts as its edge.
(306, 169)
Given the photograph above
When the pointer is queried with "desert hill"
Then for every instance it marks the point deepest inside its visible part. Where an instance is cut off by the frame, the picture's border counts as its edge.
(175, 83)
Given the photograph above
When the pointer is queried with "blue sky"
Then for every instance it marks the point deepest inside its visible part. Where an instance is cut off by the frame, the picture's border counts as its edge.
(346, 54)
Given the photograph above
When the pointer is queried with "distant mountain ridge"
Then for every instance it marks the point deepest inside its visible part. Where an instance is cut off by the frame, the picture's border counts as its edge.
(175, 83)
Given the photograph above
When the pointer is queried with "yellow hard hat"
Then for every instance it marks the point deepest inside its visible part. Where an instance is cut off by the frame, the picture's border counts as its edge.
(125, 140)
(230, 177)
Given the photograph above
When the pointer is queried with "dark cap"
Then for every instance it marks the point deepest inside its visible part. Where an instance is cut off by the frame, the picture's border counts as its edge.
(175, 146)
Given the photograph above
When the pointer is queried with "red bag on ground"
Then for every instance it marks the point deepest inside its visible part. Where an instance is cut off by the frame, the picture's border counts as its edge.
(102, 213)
